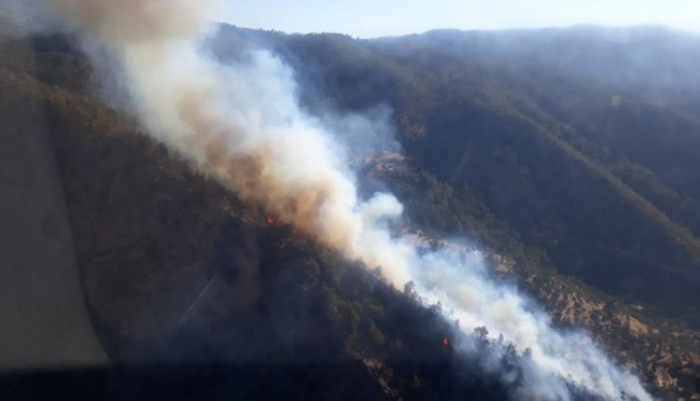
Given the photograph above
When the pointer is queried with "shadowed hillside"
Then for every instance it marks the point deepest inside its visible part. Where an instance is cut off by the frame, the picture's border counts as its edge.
(604, 184)
(196, 296)
(581, 185)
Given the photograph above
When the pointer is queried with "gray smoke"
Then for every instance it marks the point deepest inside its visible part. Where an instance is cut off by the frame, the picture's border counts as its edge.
(242, 125)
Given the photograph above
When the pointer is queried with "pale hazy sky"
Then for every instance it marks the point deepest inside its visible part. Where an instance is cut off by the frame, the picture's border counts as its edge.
(369, 18)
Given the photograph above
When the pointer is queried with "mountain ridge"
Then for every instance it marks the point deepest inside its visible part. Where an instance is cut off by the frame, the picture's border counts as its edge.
(498, 160)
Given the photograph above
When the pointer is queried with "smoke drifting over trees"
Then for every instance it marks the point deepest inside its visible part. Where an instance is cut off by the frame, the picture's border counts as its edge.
(241, 124)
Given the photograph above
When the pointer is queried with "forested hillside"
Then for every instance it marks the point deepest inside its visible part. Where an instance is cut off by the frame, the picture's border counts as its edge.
(578, 162)
(569, 151)
(207, 297)
(579, 179)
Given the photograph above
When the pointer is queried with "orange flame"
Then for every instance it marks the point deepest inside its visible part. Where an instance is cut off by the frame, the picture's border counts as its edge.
(446, 341)
(271, 220)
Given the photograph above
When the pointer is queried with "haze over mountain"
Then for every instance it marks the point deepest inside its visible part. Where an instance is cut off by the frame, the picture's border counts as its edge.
(567, 154)
(540, 126)
(369, 19)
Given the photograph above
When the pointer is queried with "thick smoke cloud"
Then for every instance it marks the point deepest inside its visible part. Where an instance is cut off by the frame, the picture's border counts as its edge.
(242, 124)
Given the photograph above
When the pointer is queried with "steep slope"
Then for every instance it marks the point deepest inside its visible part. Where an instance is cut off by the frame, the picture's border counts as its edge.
(663, 350)
(650, 61)
(555, 162)
(176, 268)
(585, 178)
(178, 273)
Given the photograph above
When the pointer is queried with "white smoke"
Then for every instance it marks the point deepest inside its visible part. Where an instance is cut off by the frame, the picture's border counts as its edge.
(242, 125)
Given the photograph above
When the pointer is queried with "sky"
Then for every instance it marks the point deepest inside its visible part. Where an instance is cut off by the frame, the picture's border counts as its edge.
(373, 18)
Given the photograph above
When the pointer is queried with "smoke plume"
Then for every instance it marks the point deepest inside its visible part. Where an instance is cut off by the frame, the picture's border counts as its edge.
(242, 125)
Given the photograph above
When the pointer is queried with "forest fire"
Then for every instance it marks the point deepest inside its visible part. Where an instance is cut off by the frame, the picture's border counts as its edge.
(243, 122)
